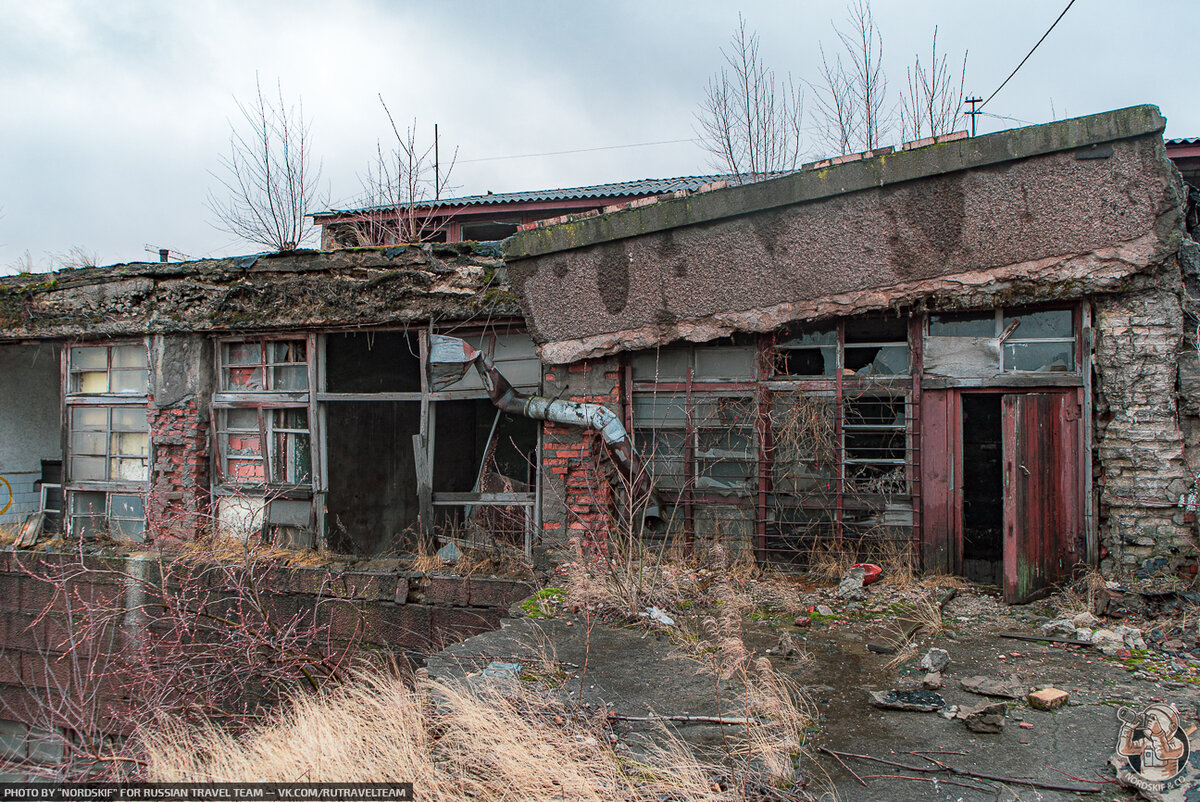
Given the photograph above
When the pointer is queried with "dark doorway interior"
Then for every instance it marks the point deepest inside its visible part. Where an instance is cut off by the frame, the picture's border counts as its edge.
(983, 488)
(372, 479)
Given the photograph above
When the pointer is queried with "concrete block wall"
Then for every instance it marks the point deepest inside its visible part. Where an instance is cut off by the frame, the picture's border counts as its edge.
(1141, 472)
(401, 615)
(577, 488)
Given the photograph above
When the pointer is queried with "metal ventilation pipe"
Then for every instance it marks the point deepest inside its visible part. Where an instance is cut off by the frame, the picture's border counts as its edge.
(449, 360)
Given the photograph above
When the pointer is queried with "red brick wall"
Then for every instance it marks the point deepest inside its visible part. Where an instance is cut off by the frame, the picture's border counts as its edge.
(574, 461)
(177, 504)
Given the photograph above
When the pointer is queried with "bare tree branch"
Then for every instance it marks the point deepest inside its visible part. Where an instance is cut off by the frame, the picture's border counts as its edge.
(931, 101)
(852, 97)
(750, 121)
(399, 192)
(268, 177)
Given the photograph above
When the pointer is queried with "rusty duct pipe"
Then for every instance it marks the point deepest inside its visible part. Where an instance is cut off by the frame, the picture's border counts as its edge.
(449, 360)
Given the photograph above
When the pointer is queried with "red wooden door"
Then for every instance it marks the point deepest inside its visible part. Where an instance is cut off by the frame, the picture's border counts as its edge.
(1043, 505)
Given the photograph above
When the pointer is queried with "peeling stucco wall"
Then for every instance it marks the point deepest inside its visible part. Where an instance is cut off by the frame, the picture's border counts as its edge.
(984, 220)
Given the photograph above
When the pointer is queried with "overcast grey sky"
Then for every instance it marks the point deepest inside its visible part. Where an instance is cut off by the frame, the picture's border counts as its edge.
(115, 114)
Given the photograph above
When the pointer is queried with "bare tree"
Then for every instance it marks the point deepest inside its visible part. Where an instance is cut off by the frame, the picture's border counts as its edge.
(268, 175)
(400, 191)
(750, 121)
(851, 108)
(931, 101)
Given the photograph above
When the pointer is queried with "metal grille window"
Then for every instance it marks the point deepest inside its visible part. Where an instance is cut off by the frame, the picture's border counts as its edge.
(800, 444)
(109, 444)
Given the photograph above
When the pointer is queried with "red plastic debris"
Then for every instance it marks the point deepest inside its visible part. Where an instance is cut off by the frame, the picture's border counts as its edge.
(871, 572)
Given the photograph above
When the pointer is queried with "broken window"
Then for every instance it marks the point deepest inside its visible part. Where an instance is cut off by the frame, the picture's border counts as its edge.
(287, 460)
(871, 345)
(262, 427)
(1001, 341)
(108, 456)
(270, 366)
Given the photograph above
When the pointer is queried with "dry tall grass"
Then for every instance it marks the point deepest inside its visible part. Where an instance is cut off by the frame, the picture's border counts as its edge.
(477, 740)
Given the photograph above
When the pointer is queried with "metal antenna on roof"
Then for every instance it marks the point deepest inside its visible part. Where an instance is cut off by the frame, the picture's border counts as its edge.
(974, 112)
(437, 167)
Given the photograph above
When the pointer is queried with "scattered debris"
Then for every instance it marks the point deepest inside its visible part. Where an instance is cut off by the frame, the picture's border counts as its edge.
(917, 700)
(825, 610)
(986, 717)
(1048, 699)
(503, 670)
(851, 586)
(932, 681)
(881, 648)
(1005, 688)
(1044, 638)
(871, 572)
(935, 660)
(656, 614)
(450, 553)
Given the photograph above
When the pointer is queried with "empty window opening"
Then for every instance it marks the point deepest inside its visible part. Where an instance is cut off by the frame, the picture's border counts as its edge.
(372, 362)
(481, 450)
(983, 488)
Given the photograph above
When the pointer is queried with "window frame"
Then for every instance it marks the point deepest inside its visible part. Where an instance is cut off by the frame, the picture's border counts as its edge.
(75, 401)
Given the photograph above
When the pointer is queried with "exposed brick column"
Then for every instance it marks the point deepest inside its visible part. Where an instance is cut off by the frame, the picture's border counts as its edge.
(177, 504)
(578, 496)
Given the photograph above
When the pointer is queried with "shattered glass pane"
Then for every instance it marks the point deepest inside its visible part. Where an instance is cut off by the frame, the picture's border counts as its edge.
(1053, 323)
(1039, 357)
(969, 324)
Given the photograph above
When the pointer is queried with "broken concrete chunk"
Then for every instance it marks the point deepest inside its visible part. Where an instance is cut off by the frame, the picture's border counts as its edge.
(1003, 687)
(824, 609)
(1084, 635)
(949, 713)
(935, 660)
(917, 700)
(1132, 636)
(1048, 699)
(1085, 620)
(932, 681)
(1107, 641)
(1060, 626)
(987, 717)
(851, 586)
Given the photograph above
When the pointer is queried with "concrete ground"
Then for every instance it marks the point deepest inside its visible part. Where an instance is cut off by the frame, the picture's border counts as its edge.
(637, 669)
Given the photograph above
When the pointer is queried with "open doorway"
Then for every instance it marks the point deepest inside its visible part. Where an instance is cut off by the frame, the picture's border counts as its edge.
(982, 488)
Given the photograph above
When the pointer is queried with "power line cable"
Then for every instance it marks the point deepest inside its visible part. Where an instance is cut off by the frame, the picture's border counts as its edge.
(1027, 55)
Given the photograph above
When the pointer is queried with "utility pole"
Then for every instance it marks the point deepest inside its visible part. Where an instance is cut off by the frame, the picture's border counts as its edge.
(974, 112)
(437, 167)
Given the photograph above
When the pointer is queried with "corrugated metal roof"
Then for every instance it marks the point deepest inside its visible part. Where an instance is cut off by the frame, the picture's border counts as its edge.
(1191, 140)
(621, 189)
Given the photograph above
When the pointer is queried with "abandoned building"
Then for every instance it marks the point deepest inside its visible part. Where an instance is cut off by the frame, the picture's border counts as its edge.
(979, 351)
(492, 216)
